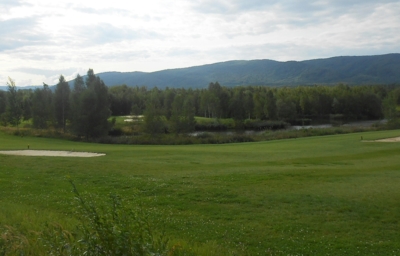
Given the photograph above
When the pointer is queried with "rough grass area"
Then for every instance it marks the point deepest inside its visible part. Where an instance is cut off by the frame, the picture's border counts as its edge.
(330, 195)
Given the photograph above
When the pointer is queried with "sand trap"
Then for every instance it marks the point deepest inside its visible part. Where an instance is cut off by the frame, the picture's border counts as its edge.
(397, 139)
(49, 153)
(133, 118)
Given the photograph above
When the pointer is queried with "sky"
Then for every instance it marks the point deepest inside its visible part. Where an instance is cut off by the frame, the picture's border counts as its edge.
(42, 39)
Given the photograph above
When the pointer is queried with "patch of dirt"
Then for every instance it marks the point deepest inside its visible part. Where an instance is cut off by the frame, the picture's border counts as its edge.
(49, 153)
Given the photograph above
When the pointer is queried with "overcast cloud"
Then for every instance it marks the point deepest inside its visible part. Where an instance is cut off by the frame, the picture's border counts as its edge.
(41, 39)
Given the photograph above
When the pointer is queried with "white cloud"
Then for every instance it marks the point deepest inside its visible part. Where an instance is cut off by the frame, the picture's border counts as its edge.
(42, 38)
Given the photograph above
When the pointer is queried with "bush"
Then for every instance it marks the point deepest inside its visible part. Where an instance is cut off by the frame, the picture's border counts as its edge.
(211, 127)
(265, 125)
(115, 132)
(393, 123)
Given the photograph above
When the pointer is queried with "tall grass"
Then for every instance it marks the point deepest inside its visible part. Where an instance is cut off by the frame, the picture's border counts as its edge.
(112, 229)
(106, 227)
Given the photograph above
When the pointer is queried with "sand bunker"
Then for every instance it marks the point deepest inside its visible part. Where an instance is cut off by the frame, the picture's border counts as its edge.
(397, 139)
(49, 153)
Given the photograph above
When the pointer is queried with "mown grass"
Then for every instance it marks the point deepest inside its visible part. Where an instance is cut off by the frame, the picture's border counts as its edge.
(314, 196)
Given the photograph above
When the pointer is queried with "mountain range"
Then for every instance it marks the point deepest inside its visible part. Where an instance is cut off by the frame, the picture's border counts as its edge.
(379, 69)
(352, 70)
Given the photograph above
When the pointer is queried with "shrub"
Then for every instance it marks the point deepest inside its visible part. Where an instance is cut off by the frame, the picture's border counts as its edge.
(115, 132)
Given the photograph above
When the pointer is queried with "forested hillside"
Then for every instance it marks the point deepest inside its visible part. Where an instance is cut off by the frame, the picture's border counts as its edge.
(380, 69)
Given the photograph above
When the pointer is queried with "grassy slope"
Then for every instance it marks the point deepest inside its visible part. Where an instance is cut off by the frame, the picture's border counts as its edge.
(329, 194)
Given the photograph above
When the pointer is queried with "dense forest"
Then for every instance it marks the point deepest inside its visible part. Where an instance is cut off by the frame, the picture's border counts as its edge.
(85, 109)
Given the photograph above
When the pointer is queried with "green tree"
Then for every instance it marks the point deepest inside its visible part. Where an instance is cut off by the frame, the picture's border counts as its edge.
(259, 102)
(90, 78)
(189, 114)
(370, 106)
(26, 103)
(224, 99)
(61, 103)
(100, 125)
(389, 109)
(270, 107)
(182, 118)
(121, 100)
(91, 107)
(286, 109)
(14, 104)
(248, 103)
(3, 105)
(138, 100)
(237, 108)
(209, 104)
(41, 107)
(76, 115)
(153, 121)
(169, 96)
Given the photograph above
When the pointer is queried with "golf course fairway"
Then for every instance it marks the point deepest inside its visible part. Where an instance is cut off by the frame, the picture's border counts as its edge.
(329, 195)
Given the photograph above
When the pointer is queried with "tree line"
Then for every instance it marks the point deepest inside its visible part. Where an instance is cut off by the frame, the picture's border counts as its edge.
(84, 109)
(290, 104)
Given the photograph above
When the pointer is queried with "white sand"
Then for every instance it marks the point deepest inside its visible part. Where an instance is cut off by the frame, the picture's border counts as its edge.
(49, 153)
(397, 139)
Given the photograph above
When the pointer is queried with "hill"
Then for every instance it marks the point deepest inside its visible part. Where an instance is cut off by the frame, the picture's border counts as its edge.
(33, 87)
(379, 69)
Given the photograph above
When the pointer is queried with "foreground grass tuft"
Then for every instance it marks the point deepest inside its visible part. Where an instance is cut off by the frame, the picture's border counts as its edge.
(104, 229)
(112, 229)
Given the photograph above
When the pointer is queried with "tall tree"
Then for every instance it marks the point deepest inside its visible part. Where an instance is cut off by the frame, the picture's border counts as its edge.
(259, 102)
(214, 104)
(153, 120)
(76, 115)
(286, 109)
(209, 104)
(91, 107)
(238, 111)
(61, 103)
(41, 107)
(270, 107)
(138, 100)
(14, 108)
(188, 114)
(389, 109)
(121, 99)
(182, 118)
(248, 103)
(3, 105)
(102, 112)
(90, 78)
(26, 103)
(168, 100)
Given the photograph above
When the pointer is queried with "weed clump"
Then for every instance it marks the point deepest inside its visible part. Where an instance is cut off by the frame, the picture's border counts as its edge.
(114, 229)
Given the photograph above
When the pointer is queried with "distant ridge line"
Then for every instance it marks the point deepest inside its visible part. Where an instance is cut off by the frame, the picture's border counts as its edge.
(352, 70)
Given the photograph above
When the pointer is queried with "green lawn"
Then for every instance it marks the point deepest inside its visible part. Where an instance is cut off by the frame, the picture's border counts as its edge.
(324, 195)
